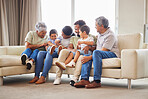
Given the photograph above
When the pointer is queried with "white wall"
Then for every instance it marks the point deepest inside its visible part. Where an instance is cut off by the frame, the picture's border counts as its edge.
(131, 16)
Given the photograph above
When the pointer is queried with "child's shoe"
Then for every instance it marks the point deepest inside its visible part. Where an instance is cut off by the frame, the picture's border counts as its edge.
(61, 65)
(71, 64)
(59, 49)
(52, 49)
(57, 81)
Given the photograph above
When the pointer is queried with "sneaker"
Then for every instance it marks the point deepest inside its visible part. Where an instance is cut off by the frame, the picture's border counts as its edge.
(61, 65)
(57, 81)
(29, 64)
(59, 49)
(72, 82)
(52, 50)
(71, 64)
(23, 59)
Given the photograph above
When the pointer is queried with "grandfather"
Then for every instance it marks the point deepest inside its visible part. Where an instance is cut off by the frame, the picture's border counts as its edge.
(106, 48)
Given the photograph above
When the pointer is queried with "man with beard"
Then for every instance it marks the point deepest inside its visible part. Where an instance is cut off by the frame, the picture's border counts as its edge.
(72, 48)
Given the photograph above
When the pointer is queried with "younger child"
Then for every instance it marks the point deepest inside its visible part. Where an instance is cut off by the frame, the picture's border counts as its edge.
(51, 42)
(84, 40)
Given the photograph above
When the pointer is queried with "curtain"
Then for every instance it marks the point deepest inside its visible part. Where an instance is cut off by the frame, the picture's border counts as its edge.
(17, 18)
(4, 39)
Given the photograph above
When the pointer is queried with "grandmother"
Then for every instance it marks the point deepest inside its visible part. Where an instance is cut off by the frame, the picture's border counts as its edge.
(35, 41)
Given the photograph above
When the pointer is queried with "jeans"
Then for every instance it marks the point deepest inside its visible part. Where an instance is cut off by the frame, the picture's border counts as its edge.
(47, 64)
(97, 57)
(31, 54)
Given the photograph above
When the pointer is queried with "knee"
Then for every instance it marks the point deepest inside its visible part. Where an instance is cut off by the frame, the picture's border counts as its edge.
(96, 52)
(36, 50)
(41, 53)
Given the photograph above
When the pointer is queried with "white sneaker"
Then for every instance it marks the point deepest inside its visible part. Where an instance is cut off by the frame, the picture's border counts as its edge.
(59, 49)
(71, 64)
(61, 65)
(52, 50)
(57, 81)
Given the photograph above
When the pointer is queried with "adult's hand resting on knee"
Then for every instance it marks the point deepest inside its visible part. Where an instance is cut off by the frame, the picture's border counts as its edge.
(86, 59)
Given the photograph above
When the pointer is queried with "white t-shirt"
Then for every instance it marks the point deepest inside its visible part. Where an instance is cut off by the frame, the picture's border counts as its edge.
(64, 42)
(83, 45)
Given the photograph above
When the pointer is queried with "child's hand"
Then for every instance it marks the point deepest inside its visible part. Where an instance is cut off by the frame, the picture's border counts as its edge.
(80, 42)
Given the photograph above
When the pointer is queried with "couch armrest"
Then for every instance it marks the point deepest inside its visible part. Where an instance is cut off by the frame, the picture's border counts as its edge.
(134, 63)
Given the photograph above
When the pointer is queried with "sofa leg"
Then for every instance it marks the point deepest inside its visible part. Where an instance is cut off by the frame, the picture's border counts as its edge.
(129, 84)
(68, 75)
(1, 80)
(47, 76)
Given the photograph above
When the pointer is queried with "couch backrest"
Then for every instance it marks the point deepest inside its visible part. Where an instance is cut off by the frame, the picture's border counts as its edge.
(11, 50)
(130, 41)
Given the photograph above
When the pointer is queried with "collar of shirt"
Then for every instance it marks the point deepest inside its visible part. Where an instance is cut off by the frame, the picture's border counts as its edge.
(106, 32)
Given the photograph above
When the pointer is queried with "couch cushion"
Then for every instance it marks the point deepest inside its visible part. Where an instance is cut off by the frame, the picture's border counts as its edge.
(111, 63)
(10, 60)
(14, 60)
(130, 41)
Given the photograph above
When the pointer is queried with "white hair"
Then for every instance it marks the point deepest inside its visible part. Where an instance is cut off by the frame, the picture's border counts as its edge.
(40, 26)
(102, 21)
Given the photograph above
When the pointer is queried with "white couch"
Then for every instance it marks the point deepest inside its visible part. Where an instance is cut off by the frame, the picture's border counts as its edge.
(133, 63)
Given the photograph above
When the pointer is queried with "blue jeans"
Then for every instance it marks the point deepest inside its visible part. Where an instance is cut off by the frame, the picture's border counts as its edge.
(47, 64)
(31, 54)
(97, 57)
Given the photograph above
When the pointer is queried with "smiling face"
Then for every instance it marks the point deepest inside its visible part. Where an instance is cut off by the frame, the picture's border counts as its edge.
(53, 36)
(41, 34)
(77, 29)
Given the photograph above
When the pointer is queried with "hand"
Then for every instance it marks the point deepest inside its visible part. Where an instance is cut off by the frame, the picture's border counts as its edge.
(86, 48)
(86, 59)
(80, 42)
(44, 44)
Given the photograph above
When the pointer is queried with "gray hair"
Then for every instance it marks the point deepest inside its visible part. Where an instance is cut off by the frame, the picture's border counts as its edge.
(40, 26)
(102, 21)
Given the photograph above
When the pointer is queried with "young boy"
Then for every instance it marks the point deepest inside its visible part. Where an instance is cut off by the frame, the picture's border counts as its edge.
(84, 40)
(51, 42)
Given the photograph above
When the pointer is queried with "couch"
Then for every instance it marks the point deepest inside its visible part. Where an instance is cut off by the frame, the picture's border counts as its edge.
(133, 63)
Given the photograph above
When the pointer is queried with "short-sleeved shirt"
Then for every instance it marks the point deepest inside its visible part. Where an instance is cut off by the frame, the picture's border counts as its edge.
(74, 40)
(64, 42)
(52, 41)
(33, 38)
(87, 39)
(108, 40)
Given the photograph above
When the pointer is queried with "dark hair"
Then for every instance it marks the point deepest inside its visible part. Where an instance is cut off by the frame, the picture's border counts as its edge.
(53, 31)
(85, 28)
(80, 23)
(67, 30)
